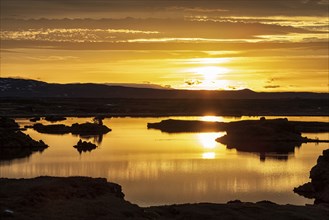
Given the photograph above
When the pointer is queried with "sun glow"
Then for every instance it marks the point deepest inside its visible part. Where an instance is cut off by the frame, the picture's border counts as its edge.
(210, 73)
(209, 78)
(211, 118)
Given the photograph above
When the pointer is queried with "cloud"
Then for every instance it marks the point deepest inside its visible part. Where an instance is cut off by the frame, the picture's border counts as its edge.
(192, 82)
(73, 34)
(54, 58)
(272, 87)
(157, 8)
(46, 32)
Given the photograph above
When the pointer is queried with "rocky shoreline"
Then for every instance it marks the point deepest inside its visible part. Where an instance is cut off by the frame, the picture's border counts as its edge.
(318, 188)
(95, 198)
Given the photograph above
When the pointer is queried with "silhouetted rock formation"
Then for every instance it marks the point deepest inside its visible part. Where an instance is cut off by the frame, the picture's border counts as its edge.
(54, 118)
(80, 129)
(35, 119)
(318, 188)
(65, 198)
(98, 119)
(277, 135)
(15, 144)
(52, 129)
(69, 198)
(312, 127)
(176, 126)
(89, 129)
(84, 146)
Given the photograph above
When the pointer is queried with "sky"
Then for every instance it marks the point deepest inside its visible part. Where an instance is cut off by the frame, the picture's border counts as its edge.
(263, 45)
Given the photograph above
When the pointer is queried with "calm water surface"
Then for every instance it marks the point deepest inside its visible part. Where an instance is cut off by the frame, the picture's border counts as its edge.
(159, 168)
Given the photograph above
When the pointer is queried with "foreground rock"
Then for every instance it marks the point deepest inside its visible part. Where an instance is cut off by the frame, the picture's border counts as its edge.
(64, 198)
(318, 188)
(79, 129)
(95, 198)
(84, 146)
(14, 143)
(240, 211)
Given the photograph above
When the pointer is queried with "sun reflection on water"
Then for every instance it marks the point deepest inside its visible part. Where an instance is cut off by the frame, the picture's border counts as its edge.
(208, 140)
(209, 155)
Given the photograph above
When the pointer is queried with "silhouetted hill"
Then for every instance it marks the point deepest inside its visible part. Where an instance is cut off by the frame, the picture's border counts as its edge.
(10, 87)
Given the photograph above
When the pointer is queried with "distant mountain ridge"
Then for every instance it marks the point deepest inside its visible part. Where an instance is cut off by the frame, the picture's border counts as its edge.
(138, 85)
(26, 88)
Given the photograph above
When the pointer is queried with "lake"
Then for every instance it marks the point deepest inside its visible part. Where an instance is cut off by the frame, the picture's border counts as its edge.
(156, 168)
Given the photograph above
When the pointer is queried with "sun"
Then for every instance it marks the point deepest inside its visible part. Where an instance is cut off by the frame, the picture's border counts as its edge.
(211, 73)
(211, 77)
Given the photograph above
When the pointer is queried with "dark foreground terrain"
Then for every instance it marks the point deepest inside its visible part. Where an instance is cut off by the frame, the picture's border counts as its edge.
(318, 188)
(95, 198)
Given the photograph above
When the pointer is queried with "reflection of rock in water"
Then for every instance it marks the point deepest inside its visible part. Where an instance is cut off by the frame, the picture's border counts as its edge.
(15, 144)
(275, 150)
(262, 146)
(84, 146)
(276, 156)
(96, 138)
(318, 188)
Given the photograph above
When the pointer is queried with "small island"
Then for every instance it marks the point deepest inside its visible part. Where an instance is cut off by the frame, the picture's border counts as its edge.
(84, 146)
(14, 143)
(78, 129)
(177, 126)
(274, 135)
(54, 118)
(277, 135)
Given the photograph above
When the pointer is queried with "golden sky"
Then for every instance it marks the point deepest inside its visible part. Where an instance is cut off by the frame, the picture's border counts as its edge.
(268, 45)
